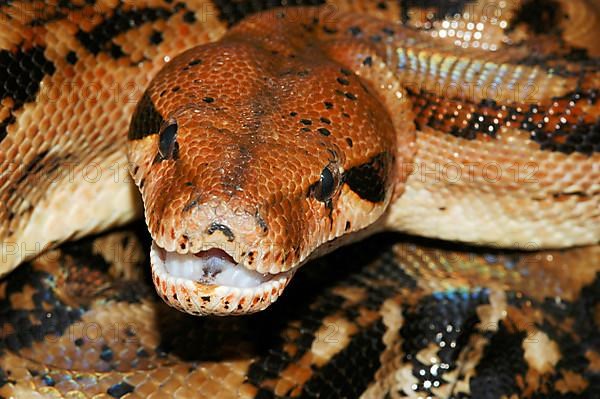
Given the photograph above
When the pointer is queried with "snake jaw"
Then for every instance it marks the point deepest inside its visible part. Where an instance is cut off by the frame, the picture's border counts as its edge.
(212, 283)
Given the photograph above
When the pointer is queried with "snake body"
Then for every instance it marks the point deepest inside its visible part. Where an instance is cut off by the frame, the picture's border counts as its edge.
(267, 140)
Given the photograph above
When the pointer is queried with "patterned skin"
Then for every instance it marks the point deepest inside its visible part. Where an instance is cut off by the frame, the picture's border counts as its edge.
(290, 101)
(299, 131)
(382, 318)
(318, 126)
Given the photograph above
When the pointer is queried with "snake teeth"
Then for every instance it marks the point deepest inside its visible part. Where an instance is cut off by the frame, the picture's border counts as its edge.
(212, 283)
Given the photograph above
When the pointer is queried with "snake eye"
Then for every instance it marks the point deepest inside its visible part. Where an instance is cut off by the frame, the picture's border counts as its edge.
(324, 189)
(167, 141)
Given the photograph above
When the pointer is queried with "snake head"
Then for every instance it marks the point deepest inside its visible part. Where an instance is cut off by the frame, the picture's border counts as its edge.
(251, 160)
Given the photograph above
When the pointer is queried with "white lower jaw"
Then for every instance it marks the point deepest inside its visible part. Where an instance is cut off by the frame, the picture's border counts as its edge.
(213, 285)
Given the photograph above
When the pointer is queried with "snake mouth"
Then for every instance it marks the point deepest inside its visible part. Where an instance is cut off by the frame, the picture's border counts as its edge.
(211, 282)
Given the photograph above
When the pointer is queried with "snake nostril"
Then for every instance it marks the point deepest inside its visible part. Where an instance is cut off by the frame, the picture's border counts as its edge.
(214, 226)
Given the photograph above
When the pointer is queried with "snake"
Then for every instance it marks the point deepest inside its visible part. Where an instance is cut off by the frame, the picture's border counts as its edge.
(264, 137)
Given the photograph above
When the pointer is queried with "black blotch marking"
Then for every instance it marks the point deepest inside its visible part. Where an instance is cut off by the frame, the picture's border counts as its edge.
(100, 38)
(116, 51)
(323, 131)
(328, 105)
(146, 119)
(447, 317)
(4, 126)
(347, 372)
(305, 129)
(502, 361)
(325, 120)
(329, 31)
(175, 89)
(71, 57)
(578, 136)
(22, 72)
(106, 353)
(120, 389)
(347, 226)
(156, 37)
(222, 228)
(79, 342)
(306, 121)
(350, 96)
(49, 315)
(369, 180)
(189, 17)
(478, 123)
(349, 142)
(208, 100)
(541, 16)
(368, 61)
(382, 6)
(343, 81)
(195, 62)
(293, 113)
(340, 377)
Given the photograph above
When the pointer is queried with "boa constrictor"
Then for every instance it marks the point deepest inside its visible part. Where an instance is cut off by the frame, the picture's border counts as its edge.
(300, 130)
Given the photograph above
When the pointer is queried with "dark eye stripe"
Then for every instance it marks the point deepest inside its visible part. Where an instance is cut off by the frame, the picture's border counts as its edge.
(369, 180)
(146, 119)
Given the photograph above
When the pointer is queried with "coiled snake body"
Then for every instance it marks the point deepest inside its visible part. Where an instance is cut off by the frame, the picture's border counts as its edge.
(271, 141)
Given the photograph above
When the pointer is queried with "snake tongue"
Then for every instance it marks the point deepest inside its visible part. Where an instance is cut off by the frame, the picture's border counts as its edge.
(213, 266)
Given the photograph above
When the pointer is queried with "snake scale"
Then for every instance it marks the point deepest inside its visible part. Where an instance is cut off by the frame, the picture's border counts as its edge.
(264, 137)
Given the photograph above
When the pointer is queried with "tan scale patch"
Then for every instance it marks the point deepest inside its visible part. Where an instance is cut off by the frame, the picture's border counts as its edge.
(491, 315)
(469, 359)
(571, 382)
(121, 250)
(23, 299)
(393, 375)
(541, 352)
(332, 337)
(594, 358)
(353, 295)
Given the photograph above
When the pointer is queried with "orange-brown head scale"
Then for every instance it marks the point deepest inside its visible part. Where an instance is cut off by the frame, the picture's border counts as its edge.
(261, 148)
